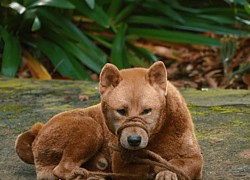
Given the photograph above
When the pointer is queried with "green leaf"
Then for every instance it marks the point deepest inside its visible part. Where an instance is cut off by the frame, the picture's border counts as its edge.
(176, 37)
(90, 3)
(36, 24)
(18, 7)
(11, 58)
(200, 25)
(151, 20)
(247, 7)
(65, 64)
(217, 10)
(114, 7)
(178, 6)
(166, 10)
(66, 25)
(53, 3)
(75, 51)
(191, 23)
(135, 60)
(244, 68)
(97, 13)
(142, 53)
(118, 52)
(127, 10)
(245, 21)
(101, 40)
(237, 1)
(68, 29)
(217, 18)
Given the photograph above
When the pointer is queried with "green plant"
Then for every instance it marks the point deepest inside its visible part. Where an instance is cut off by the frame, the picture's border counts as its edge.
(227, 52)
(45, 27)
(76, 35)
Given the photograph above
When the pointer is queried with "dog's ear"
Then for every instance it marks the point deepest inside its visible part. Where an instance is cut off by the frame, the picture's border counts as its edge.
(109, 77)
(157, 75)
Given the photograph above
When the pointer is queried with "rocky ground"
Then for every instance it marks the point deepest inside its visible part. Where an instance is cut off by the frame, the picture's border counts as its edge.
(221, 117)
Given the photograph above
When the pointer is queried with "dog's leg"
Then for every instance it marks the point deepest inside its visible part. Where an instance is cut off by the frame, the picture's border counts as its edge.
(191, 167)
(75, 155)
(166, 175)
(45, 173)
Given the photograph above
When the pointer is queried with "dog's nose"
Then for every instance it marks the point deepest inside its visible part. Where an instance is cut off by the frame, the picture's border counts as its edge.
(134, 140)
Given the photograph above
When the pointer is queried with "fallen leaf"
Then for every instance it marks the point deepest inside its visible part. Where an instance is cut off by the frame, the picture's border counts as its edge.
(35, 67)
(161, 51)
(83, 97)
(246, 80)
(210, 80)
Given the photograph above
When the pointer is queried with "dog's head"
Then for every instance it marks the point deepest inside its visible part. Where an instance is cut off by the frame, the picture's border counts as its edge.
(133, 101)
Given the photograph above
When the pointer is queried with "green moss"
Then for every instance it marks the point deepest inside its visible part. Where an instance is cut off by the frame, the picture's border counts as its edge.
(240, 123)
(59, 108)
(202, 134)
(218, 97)
(196, 110)
(212, 93)
(193, 112)
(229, 109)
(13, 108)
(201, 110)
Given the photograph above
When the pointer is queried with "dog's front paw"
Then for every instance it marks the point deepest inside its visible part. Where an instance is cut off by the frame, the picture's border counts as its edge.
(166, 175)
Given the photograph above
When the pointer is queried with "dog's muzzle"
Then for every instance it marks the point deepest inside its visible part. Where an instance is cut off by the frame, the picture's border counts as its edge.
(133, 141)
(132, 122)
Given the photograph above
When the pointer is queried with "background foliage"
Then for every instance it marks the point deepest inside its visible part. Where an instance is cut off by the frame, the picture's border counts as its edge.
(79, 36)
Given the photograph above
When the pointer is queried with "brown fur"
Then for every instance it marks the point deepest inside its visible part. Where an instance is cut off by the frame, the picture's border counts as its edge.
(70, 140)
(135, 102)
(24, 142)
(141, 103)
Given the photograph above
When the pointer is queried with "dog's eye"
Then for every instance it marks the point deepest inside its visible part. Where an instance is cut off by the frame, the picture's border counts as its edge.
(122, 112)
(146, 111)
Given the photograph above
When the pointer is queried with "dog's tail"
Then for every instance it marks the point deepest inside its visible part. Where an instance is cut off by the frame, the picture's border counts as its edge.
(24, 142)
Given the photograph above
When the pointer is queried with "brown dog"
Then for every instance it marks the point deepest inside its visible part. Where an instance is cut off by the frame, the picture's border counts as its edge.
(70, 140)
(145, 111)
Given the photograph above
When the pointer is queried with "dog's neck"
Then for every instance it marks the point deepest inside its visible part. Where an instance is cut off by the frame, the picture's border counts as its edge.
(172, 112)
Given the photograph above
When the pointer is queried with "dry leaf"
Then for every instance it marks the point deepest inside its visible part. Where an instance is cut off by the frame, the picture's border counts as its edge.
(83, 97)
(161, 51)
(246, 80)
(35, 67)
(210, 80)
